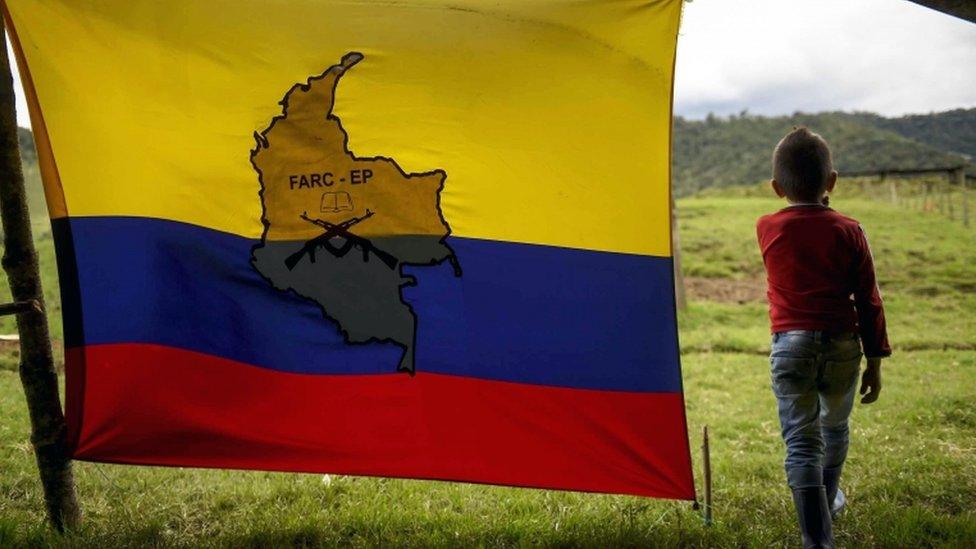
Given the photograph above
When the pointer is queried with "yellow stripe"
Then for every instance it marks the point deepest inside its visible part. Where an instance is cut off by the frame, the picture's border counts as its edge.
(551, 119)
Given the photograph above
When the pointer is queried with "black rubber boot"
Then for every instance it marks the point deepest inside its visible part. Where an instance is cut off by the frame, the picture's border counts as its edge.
(835, 496)
(814, 515)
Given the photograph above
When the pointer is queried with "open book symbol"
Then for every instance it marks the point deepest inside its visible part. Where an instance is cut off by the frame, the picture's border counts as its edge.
(336, 202)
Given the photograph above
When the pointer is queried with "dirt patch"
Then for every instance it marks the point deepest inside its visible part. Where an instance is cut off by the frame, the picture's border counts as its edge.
(8, 345)
(725, 290)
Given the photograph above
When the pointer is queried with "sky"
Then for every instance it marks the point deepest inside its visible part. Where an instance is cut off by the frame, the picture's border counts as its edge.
(776, 57)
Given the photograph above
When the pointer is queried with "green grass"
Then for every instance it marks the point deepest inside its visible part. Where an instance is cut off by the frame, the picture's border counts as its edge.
(926, 266)
(911, 475)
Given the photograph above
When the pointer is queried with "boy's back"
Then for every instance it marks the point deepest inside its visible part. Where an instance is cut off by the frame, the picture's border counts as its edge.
(816, 259)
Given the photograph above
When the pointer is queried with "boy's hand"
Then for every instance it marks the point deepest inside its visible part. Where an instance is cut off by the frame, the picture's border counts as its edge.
(871, 381)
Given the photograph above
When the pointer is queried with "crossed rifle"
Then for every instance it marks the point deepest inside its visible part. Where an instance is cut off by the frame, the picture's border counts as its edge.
(333, 230)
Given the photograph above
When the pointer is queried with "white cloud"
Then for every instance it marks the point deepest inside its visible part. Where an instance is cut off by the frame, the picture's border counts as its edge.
(776, 57)
(23, 118)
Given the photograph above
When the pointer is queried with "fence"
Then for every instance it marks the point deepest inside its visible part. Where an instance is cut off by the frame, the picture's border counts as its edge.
(943, 189)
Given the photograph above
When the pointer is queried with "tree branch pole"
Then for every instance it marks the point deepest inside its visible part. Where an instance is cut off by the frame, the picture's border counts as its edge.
(48, 430)
(20, 307)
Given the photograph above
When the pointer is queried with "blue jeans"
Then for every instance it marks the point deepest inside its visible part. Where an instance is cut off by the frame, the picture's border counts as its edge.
(814, 377)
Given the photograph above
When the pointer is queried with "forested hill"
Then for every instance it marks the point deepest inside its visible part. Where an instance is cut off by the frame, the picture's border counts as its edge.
(26, 140)
(721, 151)
(736, 150)
(951, 131)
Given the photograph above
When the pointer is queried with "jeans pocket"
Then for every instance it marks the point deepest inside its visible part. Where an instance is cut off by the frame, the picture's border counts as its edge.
(840, 375)
(792, 376)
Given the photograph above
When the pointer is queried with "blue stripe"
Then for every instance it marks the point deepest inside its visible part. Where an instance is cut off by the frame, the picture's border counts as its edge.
(521, 313)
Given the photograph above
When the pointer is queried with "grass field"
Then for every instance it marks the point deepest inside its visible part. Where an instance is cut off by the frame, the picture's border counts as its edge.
(911, 475)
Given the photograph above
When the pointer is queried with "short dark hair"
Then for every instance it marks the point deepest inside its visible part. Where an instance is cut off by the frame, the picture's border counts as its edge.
(802, 165)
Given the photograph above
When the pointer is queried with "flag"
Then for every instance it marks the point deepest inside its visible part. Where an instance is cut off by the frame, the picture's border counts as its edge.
(422, 239)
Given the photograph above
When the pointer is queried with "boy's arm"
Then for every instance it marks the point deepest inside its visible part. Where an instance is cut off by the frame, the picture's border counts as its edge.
(870, 320)
(867, 301)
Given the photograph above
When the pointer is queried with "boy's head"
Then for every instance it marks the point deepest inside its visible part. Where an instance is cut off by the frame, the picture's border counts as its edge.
(802, 168)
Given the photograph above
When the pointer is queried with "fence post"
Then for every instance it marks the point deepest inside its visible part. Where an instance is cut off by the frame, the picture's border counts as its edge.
(680, 296)
(947, 195)
(938, 198)
(37, 374)
(960, 177)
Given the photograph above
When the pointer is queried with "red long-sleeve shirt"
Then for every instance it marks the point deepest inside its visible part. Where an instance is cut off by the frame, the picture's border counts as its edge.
(820, 275)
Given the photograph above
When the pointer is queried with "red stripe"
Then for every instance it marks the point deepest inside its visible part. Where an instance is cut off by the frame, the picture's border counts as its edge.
(149, 404)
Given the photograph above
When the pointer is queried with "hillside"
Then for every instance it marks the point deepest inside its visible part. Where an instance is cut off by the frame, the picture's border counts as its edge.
(32, 176)
(719, 152)
(952, 131)
(26, 141)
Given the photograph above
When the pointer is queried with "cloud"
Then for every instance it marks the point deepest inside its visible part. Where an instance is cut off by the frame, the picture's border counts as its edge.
(23, 119)
(774, 57)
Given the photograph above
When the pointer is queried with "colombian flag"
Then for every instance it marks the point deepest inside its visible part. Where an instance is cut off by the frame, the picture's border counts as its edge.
(424, 239)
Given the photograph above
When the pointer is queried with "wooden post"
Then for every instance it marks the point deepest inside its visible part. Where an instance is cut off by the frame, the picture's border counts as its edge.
(48, 431)
(892, 189)
(707, 464)
(680, 296)
(947, 196)
(963, 188)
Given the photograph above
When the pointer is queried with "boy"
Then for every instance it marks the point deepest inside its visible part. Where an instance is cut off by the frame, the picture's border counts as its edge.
(816, 261)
